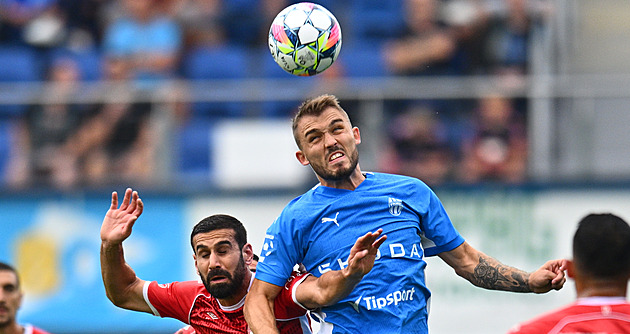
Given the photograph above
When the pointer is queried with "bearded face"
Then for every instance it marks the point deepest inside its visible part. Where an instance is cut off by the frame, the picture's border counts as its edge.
(223, 284)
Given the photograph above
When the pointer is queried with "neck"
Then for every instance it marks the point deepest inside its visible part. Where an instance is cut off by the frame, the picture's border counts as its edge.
(601, 288)
(240, 293)
(349, 183)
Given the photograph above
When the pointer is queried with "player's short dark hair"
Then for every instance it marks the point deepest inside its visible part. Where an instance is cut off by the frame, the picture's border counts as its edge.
(8, 267)
(601, 246)
(314, 107)
(256, 258)
(218, 222)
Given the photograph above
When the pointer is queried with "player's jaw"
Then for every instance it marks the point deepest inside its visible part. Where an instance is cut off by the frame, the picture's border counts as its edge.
(223, 284)
(337, 164)
(5, 316)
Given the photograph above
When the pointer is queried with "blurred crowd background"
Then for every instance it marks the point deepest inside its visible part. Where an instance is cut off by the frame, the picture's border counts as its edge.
(102, 92)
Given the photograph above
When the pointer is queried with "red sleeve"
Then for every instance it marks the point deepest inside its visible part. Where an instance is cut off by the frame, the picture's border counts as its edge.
(286, 305)
(172, 300)
(36, 330)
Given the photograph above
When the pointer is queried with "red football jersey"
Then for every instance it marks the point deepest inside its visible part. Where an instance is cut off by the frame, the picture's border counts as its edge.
(30, 329)
(601, 315)
(191, 303)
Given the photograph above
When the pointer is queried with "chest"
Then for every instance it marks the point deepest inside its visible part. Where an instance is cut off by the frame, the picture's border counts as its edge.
(335, 228)
(207, 317)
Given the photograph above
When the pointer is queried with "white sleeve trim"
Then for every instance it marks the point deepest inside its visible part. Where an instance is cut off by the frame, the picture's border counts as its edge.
(294, 290)
(145, 294)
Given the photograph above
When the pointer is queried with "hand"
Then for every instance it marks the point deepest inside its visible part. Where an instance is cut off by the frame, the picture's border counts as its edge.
(549, 276)
(119, 221)
(185, 330)
(363, 254)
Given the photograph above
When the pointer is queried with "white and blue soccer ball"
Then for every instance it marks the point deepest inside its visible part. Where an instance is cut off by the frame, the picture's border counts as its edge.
(305, 39)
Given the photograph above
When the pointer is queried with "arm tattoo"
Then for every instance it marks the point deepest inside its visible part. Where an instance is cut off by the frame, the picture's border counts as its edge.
(491, 274)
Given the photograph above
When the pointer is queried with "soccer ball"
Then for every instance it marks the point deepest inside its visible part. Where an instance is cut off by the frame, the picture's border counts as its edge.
(305, 39)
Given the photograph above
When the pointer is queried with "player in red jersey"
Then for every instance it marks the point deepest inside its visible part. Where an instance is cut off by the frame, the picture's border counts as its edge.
(222, 256)
(10, 302)
(601, 270)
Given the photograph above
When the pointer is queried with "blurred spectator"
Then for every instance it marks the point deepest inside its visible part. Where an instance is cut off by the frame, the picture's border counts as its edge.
(34, 22)
(426, 48)
(467, 22)
(202, 22)
(117, 144)
(496, 150)
(509, 31)
(420, 146)
(62, 144)
(147, 39)
(84, 23)
(42, 155)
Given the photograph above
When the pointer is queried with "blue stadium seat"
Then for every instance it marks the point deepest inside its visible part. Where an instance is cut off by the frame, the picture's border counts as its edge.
(375, 21)
(5, 147)
(192, 150)
(267, 68)
(90, 62)
(18, 64)
(360, 60)
(216, 63)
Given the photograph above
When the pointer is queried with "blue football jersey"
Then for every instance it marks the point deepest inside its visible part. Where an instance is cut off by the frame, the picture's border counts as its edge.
(319, 228)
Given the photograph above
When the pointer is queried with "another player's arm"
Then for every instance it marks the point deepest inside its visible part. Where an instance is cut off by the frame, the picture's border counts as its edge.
(258, 307)
(333, 286)
(486, 272)
(122, 286)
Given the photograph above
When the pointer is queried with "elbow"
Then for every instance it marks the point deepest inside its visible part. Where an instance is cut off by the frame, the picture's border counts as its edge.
(118, 300)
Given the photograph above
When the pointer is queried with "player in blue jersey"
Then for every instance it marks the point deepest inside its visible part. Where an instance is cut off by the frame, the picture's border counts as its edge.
(319, 227)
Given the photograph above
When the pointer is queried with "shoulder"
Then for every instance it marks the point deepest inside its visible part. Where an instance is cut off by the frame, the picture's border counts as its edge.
(298, 206)
(178, 288)
(543, 323)
(395, 178)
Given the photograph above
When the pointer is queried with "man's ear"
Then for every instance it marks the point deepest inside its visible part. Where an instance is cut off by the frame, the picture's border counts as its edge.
(570, 269)
(248, 254)
(302, 158)
(357, 135)
(196, 268)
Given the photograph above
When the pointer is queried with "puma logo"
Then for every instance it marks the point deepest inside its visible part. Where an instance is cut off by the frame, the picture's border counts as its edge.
(334, 220)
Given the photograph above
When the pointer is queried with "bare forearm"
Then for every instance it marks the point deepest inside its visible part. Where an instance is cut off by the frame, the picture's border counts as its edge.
(493, 275)
(258, 312)
(118, 276)
(327, 290)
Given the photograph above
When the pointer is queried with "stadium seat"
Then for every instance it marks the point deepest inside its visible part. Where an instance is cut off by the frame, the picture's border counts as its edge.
(375, 21)
(216, 63)
(267, 68)
(5, 147)
(192, 150)
(90, 62)
(18, 64)
(360, 61)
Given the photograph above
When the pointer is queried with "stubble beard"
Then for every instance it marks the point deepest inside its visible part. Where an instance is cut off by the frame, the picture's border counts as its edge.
(339, 174)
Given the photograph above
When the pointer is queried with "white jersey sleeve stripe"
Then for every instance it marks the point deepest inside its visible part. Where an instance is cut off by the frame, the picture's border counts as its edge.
(145, 294)
(294, 291)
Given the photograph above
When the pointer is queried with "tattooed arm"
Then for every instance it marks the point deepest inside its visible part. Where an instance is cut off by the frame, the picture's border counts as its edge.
(486, 272)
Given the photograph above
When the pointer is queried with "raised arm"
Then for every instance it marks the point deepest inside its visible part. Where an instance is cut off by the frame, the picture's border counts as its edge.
(122, 286)
(333, 286)
(258, 308)
(486, 272)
